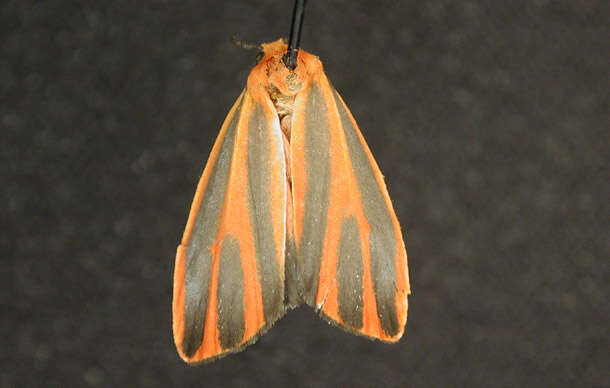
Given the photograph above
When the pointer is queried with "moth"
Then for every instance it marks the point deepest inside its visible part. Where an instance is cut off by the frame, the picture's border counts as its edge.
(291, 208)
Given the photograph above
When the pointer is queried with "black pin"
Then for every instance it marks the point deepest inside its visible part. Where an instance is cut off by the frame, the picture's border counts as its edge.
(290, 58)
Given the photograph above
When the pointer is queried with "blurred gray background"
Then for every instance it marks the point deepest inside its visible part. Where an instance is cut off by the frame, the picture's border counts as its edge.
(489, 120)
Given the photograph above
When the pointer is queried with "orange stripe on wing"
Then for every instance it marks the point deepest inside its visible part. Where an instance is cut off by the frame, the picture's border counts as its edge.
(298, 167)
(178, 300)
(234, 222)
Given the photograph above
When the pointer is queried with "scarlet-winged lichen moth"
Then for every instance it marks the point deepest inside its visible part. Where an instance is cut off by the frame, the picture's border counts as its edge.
(291, 208)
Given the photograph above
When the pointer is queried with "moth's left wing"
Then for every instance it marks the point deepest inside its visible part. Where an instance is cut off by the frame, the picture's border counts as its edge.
(352, 262)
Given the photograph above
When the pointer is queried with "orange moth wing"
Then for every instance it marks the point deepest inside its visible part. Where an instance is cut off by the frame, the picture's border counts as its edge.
(352, 258)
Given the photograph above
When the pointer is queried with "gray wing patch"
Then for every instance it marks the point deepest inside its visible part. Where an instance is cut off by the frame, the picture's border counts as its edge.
(259, 206)
(231, 325)
(317, 159)
(349, 274)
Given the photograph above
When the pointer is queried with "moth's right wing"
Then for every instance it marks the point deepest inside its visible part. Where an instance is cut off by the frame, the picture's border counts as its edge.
(229, 270)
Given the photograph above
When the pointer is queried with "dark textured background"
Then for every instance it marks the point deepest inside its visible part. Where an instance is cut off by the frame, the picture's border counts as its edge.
(489, 119)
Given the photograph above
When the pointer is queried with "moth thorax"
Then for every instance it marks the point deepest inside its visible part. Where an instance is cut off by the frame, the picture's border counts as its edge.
(284, 106)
